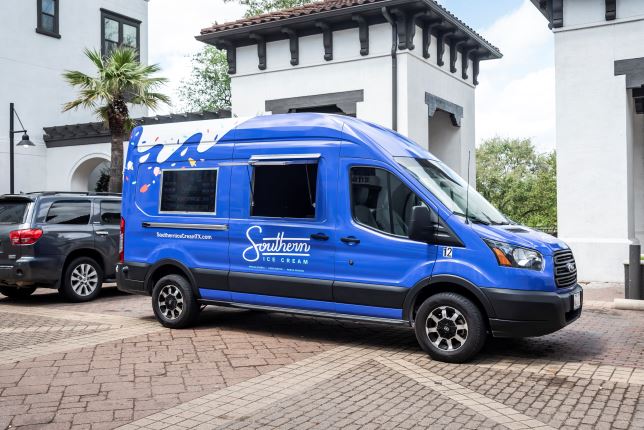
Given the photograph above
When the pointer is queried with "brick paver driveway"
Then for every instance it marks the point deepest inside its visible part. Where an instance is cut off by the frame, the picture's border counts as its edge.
(108, 364)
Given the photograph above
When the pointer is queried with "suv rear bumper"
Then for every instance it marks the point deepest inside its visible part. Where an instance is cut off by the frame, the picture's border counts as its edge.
(531, 313)
(44, 271)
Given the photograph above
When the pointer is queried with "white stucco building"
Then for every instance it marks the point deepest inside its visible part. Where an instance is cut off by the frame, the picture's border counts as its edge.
(39, 40)
(599, 63)
(336, 56)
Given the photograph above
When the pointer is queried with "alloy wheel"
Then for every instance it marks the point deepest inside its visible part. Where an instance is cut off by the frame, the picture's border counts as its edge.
(171, 302)
(446, 328)
(84, 279)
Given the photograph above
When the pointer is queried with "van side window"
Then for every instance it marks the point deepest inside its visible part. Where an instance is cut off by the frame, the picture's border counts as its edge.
(284, 191)
(69, 212)
(381, 201)
(188, 191)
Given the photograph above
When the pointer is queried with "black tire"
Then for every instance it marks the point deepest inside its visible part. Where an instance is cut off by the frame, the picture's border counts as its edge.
(17, 293)
(82, 280)
(174, 303)
(455, 333)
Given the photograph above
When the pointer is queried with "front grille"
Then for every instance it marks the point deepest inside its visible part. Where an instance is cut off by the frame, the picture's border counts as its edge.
(565, 269)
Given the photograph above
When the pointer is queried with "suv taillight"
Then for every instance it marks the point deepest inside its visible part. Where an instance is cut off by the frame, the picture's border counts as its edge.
(25, 237)
(122, 241)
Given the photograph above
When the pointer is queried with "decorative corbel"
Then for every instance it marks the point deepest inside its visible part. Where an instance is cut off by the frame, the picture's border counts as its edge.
(454, 44)
(411, 27)
(465, 60)
(363, 33)
(440, 48)
(261, 50)
(293, 45)
(611, 10)
(327, 39)
(231, 55)
(427, 34)
(401, 27)
(554, 10)
(475, 68)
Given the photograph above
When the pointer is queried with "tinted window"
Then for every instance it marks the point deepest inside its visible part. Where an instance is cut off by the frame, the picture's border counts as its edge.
(286, 191)
(111, 212)
(119, 31)
(48, 16)
(69, 212)
(381, 201)
(189, 191)
(12, 212)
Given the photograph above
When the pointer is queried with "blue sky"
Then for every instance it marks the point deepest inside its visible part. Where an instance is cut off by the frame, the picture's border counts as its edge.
(514, 99)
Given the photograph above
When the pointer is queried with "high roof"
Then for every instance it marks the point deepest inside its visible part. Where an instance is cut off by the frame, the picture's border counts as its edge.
(340, 14)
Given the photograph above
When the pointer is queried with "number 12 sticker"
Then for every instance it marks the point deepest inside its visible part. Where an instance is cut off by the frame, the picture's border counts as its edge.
(447, 252)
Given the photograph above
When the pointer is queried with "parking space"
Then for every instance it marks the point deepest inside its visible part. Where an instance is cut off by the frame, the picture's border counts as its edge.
(107, 364)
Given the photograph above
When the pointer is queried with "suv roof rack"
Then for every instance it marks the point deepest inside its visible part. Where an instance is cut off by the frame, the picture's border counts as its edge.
(75, 193)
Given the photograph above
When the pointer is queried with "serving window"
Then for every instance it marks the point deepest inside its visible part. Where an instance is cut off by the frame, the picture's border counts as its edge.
(284, 189)
(189, 191)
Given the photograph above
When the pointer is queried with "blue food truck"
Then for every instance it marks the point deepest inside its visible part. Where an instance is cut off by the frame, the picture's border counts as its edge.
(332, 216)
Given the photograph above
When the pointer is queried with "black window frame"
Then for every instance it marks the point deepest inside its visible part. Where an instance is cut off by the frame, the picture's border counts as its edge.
(389, 175)
(278, 163)
(121, 19)
(163, 171)
(56, 16)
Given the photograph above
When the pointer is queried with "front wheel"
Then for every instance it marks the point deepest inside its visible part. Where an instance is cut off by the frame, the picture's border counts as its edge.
(16, 292)
(173, 302)
(450, 328)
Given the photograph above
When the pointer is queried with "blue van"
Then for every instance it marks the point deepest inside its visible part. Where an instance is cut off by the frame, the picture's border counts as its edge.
(331, 216)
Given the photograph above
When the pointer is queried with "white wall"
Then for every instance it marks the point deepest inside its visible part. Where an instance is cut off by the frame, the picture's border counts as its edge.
(596, 137)
(349, 71)
(593, 12)
(31, 65)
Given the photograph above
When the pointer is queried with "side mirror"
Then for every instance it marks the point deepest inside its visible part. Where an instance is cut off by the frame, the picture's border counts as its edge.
(422, 224)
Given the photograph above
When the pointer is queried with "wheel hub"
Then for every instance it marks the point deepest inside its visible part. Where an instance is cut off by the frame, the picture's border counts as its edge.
(446, 328)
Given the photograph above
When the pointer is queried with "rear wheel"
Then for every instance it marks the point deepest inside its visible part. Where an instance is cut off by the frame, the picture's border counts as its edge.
(17, 292)
(173, 302)
(450, 328)
(83, 280)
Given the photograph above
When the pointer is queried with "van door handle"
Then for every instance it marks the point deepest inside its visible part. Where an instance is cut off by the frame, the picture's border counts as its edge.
(350, 240)
(102, 233)
(319, 236)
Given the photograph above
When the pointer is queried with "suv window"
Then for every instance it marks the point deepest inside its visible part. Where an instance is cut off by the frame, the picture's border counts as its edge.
(69, 212)
(110, 212)
(12, 212)
(381, 201)
(284, 191)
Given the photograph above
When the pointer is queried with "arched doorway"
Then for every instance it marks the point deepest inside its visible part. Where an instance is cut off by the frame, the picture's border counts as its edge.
(87, 172)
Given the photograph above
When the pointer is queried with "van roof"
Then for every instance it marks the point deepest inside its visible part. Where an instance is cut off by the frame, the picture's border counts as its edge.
(283, 127)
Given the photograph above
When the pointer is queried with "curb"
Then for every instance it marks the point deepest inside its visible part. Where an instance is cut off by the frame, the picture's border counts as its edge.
(629, 304)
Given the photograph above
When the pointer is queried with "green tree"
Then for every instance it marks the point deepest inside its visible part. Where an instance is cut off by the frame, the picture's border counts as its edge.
(208, 87)
(120, 80)
(518, 180)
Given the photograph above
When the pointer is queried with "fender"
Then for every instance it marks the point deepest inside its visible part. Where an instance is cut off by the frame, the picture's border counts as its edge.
(410, 298)
(178, 265)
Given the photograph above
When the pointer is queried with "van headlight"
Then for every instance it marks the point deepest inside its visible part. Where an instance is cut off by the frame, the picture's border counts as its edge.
(515, 256)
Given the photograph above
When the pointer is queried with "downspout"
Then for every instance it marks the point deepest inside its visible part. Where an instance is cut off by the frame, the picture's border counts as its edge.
(394, 69)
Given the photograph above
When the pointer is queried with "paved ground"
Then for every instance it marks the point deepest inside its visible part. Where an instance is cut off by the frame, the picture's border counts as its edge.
(108, 364)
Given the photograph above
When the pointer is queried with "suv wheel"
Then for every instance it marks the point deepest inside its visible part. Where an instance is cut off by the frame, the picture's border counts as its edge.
(173, 302)
(17, 293)
(450, 328)
(83, 280)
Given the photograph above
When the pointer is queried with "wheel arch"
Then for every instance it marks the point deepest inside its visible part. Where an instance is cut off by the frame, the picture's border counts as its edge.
(430, 286)
(82, 252)
(167, 267)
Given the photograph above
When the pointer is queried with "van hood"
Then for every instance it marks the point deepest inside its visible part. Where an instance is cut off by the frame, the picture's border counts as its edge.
(519, 235)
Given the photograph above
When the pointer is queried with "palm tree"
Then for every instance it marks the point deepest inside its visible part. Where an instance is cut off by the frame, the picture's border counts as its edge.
(120, 79)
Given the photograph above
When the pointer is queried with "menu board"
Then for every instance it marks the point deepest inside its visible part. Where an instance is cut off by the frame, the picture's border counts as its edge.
(190, 190)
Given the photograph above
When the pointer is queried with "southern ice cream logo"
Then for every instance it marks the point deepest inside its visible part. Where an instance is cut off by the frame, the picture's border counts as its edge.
(277, 249)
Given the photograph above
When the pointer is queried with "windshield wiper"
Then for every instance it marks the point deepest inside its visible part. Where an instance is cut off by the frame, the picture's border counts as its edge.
(472, 218)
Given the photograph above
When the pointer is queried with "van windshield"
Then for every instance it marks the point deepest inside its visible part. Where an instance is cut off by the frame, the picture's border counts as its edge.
(451, 190)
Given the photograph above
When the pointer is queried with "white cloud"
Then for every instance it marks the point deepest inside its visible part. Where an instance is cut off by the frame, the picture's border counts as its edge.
(173, 26)
(516, 97)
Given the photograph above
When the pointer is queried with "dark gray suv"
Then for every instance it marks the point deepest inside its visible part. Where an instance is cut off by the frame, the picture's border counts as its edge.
(61, 240)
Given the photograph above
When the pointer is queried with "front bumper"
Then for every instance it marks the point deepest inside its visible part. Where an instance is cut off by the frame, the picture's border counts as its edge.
(28, 271)
(531, 313)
